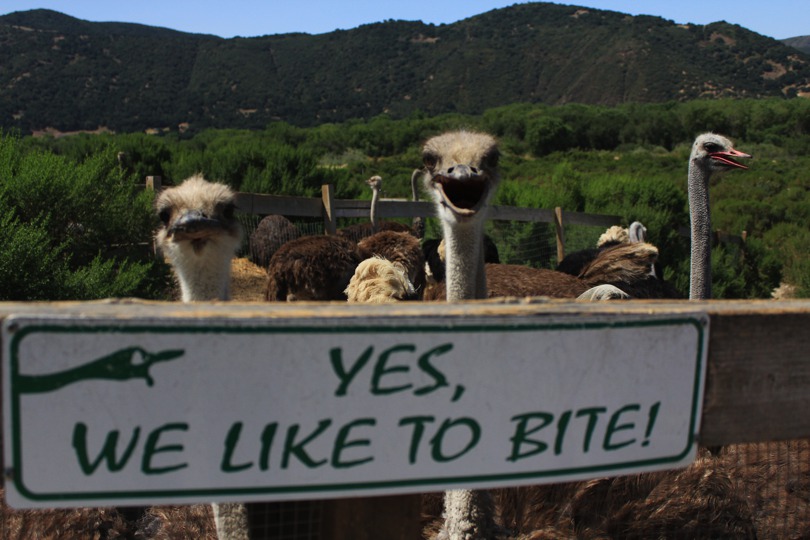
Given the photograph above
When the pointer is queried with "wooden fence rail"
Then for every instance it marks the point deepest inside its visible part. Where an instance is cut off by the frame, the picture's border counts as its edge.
(331, 209)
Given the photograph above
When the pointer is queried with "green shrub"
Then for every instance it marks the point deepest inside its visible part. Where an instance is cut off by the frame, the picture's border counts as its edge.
(72, 230)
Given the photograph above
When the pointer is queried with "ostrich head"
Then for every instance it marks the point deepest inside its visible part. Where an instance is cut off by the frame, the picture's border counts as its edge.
(375, 182)
(714, 153)
(461, 176)
(199, 236)
(462, 173)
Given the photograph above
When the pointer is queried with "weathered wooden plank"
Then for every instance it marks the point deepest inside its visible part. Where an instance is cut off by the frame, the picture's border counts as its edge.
(758, 384)
(514, 213)
(252, 203)
(593, 220)
(385, 209)
(560, 233)
(329, 217)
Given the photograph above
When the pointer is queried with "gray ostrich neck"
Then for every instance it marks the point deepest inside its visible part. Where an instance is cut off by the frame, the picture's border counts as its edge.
(700, 278)
(205, 282)
(464, 274)
(469, 515)
(375, 198)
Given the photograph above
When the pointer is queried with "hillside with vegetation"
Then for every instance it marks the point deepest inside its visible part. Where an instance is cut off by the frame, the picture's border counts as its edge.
(68, 201)
(800, 42)
(66, 74)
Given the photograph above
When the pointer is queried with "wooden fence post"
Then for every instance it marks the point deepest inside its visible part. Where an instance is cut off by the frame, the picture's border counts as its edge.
(558, 225)
(154, 183)
(329, 219)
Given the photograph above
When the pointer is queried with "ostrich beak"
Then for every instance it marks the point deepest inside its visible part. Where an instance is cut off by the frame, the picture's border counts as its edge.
(194, 225)
(463, 189)
(726, 158)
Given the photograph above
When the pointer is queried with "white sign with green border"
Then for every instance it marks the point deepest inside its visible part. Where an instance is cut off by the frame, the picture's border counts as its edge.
(193, 410)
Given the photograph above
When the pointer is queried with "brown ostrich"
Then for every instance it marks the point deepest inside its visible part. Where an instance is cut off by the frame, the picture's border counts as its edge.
(272, 232)
(574, 262)
(398, 247)
(627, 267)
(312, 268)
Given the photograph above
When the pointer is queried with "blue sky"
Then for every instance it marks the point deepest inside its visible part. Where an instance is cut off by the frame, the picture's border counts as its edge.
(227, 18)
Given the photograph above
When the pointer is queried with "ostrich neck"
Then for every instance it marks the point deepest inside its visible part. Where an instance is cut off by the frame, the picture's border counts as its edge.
(700, 278)
(201, 279)
(375, 198)
(464, 274)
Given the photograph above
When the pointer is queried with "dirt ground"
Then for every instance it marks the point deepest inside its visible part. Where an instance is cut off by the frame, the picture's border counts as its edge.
(248, 281)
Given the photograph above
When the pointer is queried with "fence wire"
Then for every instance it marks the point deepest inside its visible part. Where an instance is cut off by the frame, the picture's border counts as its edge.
(759, 490)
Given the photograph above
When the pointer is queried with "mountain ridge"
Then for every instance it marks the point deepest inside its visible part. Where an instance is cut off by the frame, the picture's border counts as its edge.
(65, 73)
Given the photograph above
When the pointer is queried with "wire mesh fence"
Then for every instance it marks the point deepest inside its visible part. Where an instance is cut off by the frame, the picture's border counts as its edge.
(757, 490)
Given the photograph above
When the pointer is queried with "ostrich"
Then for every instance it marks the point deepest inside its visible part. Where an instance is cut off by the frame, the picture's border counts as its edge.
(377, 280)
(199, 236)
(418, 223)
(272, 232)
(361, 230)
(637, 232)
(312, 268)
(700, 496)
(321, 267)
(613, 274)
(461, 177)
(402, 248)
(711, 153)
(574, 262)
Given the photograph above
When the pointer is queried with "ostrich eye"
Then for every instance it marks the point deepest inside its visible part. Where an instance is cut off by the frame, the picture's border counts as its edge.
(165, 215)
(712, 147)
(429, 160)
(228, 211)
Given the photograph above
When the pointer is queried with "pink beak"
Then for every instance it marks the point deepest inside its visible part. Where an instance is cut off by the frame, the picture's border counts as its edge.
(727, 158)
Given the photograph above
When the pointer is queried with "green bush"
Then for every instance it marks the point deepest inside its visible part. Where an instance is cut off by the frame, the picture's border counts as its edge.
(72, 231)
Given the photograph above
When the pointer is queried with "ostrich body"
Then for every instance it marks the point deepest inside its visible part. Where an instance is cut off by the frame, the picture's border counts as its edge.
(625, 267)
(711, 153)
(377, 280)
(312, 268)
(574, 262)
(199, 237)
(272, 232)
(401, 248)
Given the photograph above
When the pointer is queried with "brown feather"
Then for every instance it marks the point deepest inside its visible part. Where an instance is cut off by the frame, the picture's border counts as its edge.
(312, 268)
